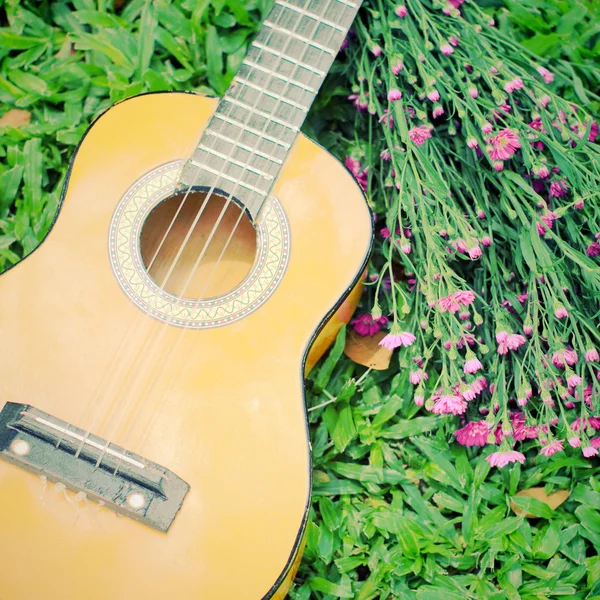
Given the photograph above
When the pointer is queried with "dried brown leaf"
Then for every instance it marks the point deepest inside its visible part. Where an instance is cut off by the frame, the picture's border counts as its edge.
(15, 117)
(366, 350)
(553, 500)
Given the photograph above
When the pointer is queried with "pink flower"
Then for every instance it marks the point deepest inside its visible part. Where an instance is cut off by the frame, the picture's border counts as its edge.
(360, 106)
(574, 442)
(552, 448)
(504, 145)
(392, 340)
(472, 366)
(561, 312)
(405, 247)
(591, 355)
(465, 297)
(397, 67)
(487, 128)
(474, 433)
(433, 95)
(501, 459)
(573, 381)
(498, 166)
(595, 442)
(544, 100)
(527, 329)
(354, 167)
(475, 252)
(419, 400)
(376, 50)
(449, 304)
(593, 249)
(401, 11)
(454, 41)
(514, 84)
(449, 404)
(473, 92)
(367, 325)
(472, 143)
(558, 188)
(419, 134)
(394, 95)
(589, 451)
(512, 342)
(546, 75)
(438, 111)
(579, 423)
(542, 171)
(416, 377)
(447, 49)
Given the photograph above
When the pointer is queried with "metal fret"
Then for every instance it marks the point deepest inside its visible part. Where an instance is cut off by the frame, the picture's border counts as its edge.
(273, 95)
(280, 77)
(262, 114)
(289, 58)
(251, 130)
(244, 147)
(235, 162)
(301, 38)
(311, 15)
(223, 175)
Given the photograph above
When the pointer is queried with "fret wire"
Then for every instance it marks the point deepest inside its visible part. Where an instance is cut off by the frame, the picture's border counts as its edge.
(312, 15)
(289, 58)
(281, 77)
(244, 147)
(252, 130)
(235, 162)
(223, 175)
(300, 37)
(273, 95)
(262, 114)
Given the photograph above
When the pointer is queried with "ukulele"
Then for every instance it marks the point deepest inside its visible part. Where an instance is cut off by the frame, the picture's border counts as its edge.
(154, 346)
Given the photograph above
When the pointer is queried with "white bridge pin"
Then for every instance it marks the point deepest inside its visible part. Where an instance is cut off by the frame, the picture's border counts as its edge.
(20, 447)
(136, 500)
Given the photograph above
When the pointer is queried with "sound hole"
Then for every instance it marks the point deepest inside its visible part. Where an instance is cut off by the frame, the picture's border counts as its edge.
(224, 262)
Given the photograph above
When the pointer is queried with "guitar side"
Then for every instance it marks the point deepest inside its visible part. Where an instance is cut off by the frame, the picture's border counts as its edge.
(233, 426)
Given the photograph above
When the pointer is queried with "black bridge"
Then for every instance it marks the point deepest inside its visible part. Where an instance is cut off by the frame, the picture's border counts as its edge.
(122, 480)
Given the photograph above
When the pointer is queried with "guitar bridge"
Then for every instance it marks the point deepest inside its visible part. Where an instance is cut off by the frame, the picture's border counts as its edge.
(124, 481)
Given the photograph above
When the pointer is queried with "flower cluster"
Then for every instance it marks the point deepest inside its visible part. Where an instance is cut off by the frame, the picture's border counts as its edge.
(485, 185)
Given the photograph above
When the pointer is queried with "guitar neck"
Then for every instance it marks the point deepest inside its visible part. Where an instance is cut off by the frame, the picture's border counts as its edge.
(248, 138)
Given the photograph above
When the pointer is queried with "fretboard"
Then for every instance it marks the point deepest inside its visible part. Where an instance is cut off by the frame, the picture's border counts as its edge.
(248, 138)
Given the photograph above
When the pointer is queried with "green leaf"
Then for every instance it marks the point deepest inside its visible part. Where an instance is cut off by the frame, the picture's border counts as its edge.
(326, 370)
(527, 250)
(318, 584)
(547, 545)
(148, 26)
(214, 60)
(344, 430)
(533, 506)
(13, 41)
(29, 83)
(410, 427)
(541, 44)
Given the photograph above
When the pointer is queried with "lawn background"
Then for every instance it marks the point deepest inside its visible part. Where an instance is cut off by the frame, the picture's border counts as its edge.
(397, 511)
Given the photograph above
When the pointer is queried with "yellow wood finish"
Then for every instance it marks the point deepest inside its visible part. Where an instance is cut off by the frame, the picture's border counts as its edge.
(232, 424)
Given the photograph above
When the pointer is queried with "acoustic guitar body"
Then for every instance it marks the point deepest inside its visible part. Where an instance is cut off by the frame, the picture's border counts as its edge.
(217, 401)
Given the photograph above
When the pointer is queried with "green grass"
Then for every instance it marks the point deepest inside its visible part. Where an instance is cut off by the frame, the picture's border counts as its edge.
(397, 512)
